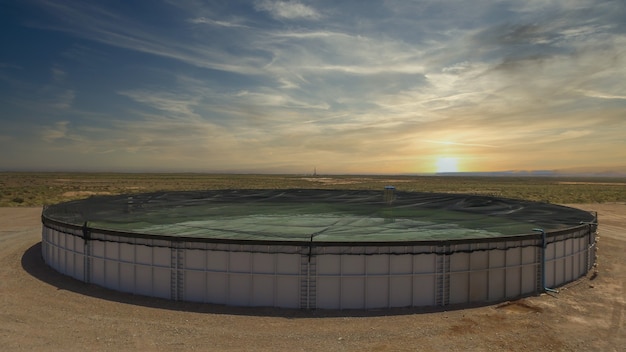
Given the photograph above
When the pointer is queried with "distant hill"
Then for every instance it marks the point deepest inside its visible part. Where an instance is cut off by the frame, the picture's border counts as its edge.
(614, 171)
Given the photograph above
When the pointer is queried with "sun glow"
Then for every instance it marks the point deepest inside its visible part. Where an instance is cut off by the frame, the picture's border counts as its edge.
(447, 164)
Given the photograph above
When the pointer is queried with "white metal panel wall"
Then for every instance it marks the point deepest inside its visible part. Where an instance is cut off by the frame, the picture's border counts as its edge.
(479, 277)
(375, 281)
(493, 274)
(513, 275)
(566, 257)
(530, 268)
(329, 281)
(400, 286)
(377, 290)
(349, 278)
(459, 277)
(63, 252)
(424, 276)
(241, 278)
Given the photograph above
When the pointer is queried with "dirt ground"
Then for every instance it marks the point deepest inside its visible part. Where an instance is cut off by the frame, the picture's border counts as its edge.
(41, 310)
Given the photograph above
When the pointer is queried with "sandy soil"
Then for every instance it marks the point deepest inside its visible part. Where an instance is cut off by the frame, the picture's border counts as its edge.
(41, 310)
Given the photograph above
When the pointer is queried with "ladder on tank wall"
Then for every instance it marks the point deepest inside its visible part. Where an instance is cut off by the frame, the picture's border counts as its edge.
(539, 253)
(308, 281)
(177, 273)
(442, 296)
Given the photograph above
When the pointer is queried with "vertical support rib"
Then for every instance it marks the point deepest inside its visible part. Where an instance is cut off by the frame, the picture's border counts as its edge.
(308, 280)
(442, 296)
(177, 278)
(86, 253)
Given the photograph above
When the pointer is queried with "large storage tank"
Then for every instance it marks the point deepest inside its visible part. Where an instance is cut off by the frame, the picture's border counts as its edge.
(319, 248)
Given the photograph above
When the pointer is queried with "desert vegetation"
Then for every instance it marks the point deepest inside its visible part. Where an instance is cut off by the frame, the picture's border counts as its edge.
(37, 189)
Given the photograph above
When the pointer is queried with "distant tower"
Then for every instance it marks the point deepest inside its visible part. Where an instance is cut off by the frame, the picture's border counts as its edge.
(389, 194)
(314, 171)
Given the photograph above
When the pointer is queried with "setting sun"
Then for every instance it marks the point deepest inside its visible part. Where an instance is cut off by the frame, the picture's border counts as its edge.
(447, 165)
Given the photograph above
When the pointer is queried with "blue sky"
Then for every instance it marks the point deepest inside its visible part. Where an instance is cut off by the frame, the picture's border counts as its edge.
(289, 86)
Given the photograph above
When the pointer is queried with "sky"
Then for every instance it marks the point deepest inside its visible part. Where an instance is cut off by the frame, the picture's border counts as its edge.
(343, 87)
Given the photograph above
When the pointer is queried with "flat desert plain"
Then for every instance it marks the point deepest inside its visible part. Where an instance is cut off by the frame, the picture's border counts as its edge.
(42, 310)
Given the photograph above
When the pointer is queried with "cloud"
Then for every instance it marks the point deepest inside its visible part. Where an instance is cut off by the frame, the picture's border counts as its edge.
(175, 105)
(459, 144)
(280, 84)
(288, 10)
(208, 21)
(6, 65)
(272, 99)
(95, 23)
(571, 134)
(64, 100)
(599, 95)
(58, 75)
(56, 132)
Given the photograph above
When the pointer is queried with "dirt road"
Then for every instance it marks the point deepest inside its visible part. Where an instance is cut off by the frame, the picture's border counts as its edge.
(41, 310)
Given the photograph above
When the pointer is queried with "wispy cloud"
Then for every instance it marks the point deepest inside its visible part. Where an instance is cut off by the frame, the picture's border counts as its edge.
(92, 22)
(176, 105)
(64, 99)
(283, 84)
(460, 144)
(5, 65)
(58, 75)
(600, 95)
(291, 9)
(55, 132)
(212, 22)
